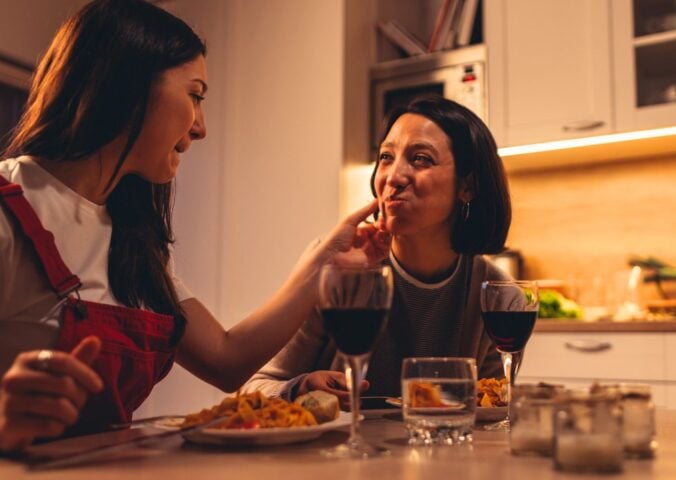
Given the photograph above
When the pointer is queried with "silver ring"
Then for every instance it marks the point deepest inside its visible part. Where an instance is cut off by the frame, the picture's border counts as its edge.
(44, 359)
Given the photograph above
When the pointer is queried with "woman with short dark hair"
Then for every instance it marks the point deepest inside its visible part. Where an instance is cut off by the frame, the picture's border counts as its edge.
(91, 313)
(443, 196)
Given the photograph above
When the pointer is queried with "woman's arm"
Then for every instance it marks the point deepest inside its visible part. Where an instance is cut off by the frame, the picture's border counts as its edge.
(227, 359)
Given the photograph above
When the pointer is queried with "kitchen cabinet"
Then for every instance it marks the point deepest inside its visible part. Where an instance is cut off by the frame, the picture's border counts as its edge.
(577, 359)
(644, 49)
(549, 69)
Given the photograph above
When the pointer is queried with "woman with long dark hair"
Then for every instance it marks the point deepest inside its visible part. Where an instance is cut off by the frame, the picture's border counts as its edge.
(443, 196)
(91, 313)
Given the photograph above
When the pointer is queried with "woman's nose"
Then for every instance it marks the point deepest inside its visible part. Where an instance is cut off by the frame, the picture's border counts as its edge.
(199, 128)
(399, 173)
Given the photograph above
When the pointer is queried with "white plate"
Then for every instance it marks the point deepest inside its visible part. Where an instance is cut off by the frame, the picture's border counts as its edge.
(490, 414)
(483, 414)
(265, 436)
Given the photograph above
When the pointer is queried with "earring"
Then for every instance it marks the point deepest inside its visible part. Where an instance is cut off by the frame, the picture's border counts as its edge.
(464, 212)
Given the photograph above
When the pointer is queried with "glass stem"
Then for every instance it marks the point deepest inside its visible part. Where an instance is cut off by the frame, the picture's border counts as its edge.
(510, 364)
(355, 368)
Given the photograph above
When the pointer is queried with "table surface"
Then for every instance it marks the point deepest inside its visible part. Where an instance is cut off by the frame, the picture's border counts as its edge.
(487, 458)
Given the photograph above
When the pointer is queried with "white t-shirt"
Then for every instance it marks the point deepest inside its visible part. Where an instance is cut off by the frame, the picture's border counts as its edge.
(82, 232)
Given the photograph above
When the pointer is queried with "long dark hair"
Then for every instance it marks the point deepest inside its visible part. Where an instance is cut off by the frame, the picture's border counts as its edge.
(476, 162)
(93, 84)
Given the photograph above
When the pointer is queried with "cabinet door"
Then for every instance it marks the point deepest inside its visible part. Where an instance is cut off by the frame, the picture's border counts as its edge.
(670, 347)
(549, 69)
(629, 357)
(644, 44)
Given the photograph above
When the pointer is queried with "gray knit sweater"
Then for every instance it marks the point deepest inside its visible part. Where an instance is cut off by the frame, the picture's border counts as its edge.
(440, 319)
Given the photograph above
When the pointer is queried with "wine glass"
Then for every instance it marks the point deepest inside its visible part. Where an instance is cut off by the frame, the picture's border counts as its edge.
(509, 309)
(354, 304)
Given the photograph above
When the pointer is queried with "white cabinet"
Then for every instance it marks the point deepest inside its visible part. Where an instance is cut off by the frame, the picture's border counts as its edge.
(549, 69)
(577, 359)
(644, 41)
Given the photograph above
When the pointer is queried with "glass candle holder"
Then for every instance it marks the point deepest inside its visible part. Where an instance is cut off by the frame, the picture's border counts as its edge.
(532, 431)
(588, 432)
(638, 417)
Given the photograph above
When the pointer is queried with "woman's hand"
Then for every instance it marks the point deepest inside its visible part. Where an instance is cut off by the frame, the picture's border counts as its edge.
(331, 382)
(349, 244)
(40, 398)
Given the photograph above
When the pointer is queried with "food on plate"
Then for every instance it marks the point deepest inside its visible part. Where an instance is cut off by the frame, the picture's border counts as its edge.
(323, 405)
(424, 395)
(554, 304)
(253, 410)
(491, 392)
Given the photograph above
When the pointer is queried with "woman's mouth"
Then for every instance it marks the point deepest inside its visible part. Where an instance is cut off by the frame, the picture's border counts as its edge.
(394, 202)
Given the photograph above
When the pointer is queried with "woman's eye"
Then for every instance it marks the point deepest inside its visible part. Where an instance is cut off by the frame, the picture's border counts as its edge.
(385, 157)
(197, 98)
(422, 160)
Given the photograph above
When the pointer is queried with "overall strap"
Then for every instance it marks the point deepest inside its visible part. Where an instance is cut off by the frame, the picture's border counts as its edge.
(60, 277)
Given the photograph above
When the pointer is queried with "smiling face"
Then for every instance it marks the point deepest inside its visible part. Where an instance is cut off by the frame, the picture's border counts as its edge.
(415, 180)
(172, 121)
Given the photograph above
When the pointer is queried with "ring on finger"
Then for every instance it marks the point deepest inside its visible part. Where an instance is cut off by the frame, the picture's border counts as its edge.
(44, 360)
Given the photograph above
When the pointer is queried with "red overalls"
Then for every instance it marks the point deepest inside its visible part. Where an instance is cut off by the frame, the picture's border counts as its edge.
(137, 347)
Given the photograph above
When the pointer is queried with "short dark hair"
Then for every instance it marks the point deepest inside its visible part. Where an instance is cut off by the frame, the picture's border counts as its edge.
(92, 85)
(476, 161)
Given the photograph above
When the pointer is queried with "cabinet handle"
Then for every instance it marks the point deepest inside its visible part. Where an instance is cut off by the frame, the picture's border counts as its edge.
(583, 126)
(588, 346)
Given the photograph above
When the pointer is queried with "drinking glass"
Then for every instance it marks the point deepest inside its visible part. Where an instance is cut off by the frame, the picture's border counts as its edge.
(439, 399)
(509, 309)
(355, 303)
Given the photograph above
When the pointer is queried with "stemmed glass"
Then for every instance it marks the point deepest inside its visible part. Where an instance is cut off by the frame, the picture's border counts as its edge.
(355, 303)
(509, 309)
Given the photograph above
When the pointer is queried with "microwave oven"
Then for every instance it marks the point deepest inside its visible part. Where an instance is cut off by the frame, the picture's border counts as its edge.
(458, 75)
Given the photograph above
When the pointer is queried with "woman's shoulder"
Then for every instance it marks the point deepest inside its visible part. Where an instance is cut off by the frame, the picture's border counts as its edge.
(487, 270)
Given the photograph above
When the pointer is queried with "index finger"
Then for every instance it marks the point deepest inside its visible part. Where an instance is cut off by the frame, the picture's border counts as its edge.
(66, 364)
(362, 214)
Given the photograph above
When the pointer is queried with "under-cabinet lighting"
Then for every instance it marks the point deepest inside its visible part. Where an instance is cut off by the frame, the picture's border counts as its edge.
(585, 142)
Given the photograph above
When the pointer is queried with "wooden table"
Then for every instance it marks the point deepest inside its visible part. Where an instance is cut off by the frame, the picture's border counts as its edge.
(488, 458)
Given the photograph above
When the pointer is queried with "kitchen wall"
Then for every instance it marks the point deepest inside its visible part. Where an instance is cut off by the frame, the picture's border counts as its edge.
(586, 221)
(27, 27)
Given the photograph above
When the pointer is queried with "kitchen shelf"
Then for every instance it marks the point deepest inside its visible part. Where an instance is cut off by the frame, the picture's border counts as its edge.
(552, 325)
(629, 150)
(655, 38)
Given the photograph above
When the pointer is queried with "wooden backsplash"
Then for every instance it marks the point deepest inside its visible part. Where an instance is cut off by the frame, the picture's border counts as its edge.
(585, 222)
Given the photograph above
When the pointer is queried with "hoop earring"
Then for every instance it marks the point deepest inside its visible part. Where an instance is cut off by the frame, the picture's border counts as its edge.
(464, 212)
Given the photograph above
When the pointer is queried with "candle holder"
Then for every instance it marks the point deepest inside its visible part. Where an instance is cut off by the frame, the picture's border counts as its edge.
(588, 432)
(532, 431)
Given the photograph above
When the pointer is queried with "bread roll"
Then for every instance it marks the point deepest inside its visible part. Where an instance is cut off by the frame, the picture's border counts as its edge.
(323, 405)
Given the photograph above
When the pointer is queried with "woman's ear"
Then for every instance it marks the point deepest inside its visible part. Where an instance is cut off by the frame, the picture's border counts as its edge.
(466, 189)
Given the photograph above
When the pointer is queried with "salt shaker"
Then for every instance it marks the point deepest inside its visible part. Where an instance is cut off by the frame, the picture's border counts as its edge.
(588, 432)
(531, 430)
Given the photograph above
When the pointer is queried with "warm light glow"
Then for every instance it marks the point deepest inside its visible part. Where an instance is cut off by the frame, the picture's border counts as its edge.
(585, 142)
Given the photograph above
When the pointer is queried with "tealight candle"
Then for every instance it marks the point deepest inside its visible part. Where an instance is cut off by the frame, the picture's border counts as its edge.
(530, 414)
(588, 432)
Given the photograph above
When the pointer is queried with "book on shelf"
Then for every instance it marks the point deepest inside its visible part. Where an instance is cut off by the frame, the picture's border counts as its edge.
(441, 25)
(452, 35)
(466, 22)
(402, 38)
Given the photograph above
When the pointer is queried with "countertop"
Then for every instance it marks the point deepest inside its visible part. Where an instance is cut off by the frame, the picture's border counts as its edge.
(487, 458)
(560, 325)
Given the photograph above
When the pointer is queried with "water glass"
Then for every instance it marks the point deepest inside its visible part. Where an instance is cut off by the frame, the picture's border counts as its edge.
(532, 431)
(588, 432)
(439, 399)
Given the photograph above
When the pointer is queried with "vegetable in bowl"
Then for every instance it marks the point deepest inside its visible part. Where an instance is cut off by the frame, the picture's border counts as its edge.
(555, 305)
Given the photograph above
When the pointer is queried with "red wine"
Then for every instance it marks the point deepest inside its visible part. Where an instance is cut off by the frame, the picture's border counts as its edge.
(509, 330)
(354, 330)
